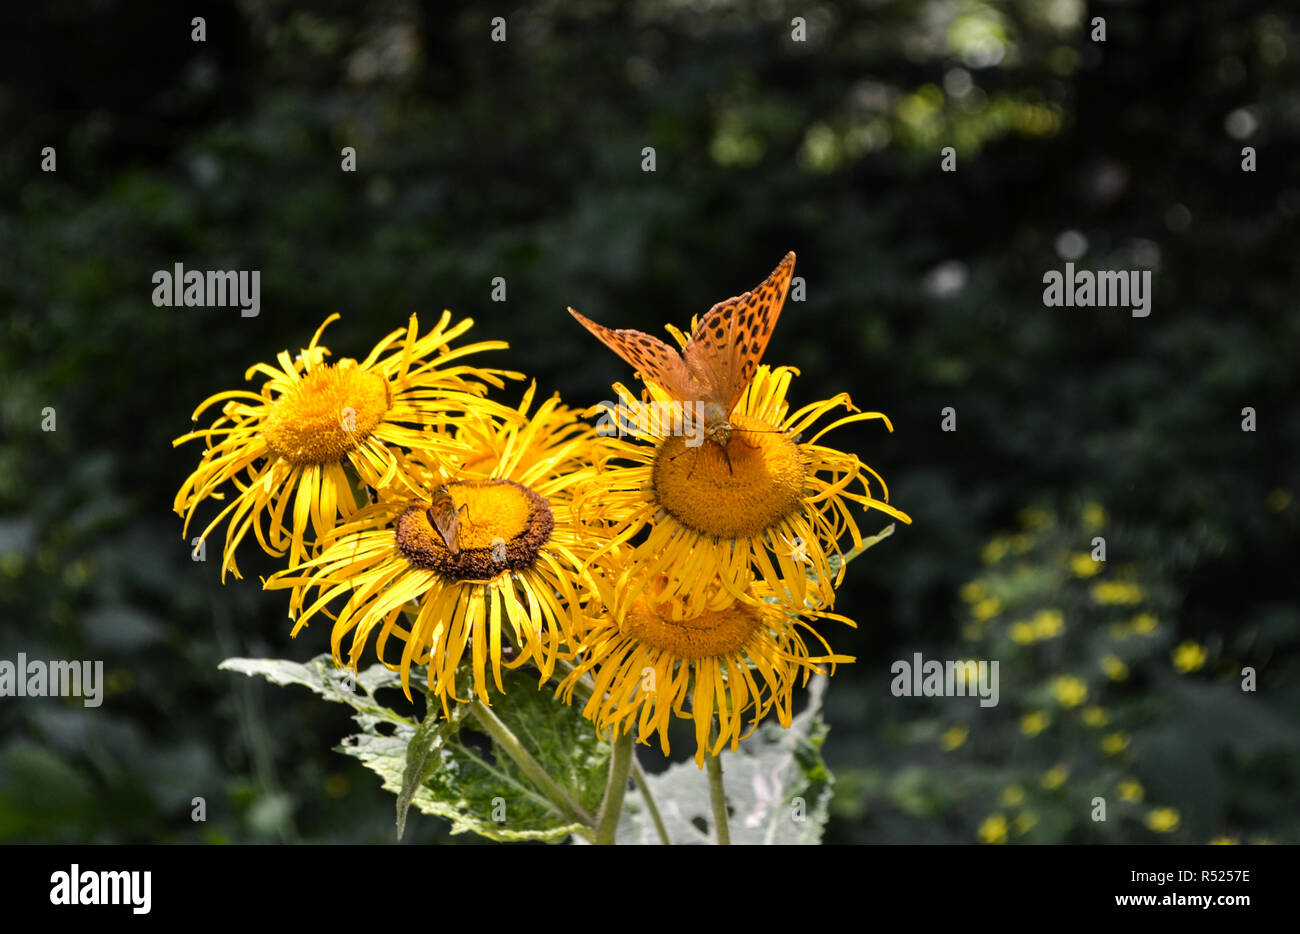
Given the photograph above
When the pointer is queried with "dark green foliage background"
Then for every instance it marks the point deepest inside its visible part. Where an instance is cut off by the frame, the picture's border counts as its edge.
(522, 160)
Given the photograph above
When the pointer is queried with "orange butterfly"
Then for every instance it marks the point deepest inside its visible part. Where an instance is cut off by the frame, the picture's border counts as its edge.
(445, 519)
(720, 358)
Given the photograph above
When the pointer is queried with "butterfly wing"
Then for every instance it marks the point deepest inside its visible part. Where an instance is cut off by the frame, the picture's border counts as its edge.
(445, 519)
(654, 360)
(728, 343)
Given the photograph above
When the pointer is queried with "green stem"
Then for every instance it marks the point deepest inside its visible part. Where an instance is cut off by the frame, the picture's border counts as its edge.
(643, 786)
(611, 806)
(718, 798)
(584, 687)
(508, 743)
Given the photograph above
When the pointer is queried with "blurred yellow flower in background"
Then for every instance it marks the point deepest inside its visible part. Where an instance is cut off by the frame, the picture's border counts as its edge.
(1035, 519)
(1188, 657)
(1031, 724)
(995, 550)
(1048, 624)
(994, 829)
(1116, 593)
(1144, 623)
(1025, 821)
(1094, 516)
(1069, 691)
(1055, 777)
(1163, 820)
(1083, 564)
(1094, 716)
(1114, 668)
(1112, 744)
(1022, 633)
(954, 737)
(1130, 789)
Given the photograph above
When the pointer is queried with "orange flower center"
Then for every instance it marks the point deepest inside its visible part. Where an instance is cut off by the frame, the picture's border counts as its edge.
(484, 528)
(327, 413)
(736, 490)
(711, 633)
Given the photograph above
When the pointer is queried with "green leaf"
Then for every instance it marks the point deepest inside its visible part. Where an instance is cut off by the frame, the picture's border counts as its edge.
(330, 682)
(836, 562)
(491, 796)
(778, 788)
(431, 734)
(462, 777)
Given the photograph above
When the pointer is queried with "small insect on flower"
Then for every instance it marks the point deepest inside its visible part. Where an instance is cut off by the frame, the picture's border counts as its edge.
(444, 516)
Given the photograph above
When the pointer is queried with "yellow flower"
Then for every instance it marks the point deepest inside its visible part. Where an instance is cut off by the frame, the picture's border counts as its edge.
(995, 550)
(1144, 623)
(1114, 668)
(1224, 841)
(954, 736)
(1055, 777)
(512, 575)
(1188, 657)
(742, 660)
(1163, 820)
(1048, 624)
(1025, 821)
(1278, 500)
(994, 829)
(1130, 789)
(1083, 564)
(1035, 519)
(1111, 593)
(1069, 691)
(986, 608)
(288, 444)
(1112, 744)
(1095, 716)
(766, 506)
(973, 592)
(1031, 724)
(1023, 633)
(1013, 795)
(1094, 516)
(1021, 543)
